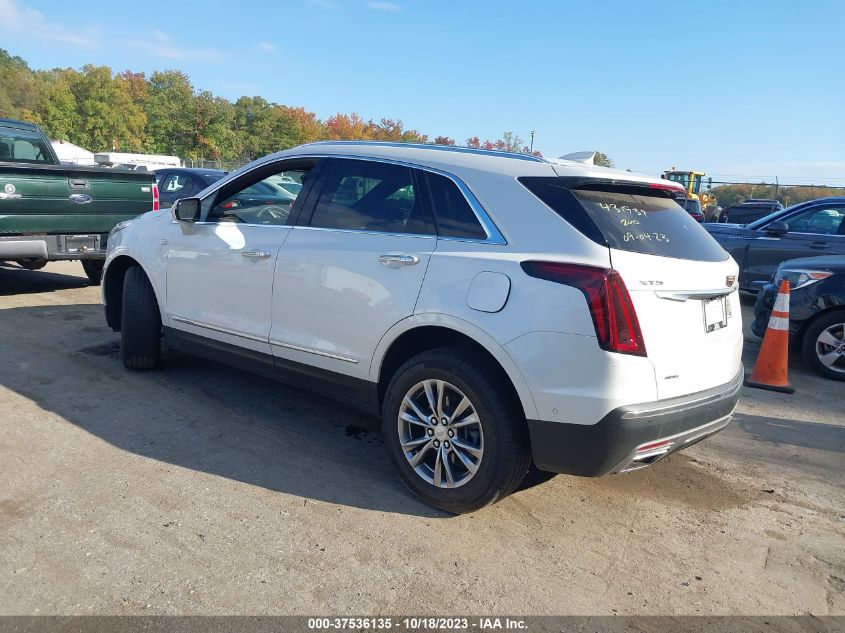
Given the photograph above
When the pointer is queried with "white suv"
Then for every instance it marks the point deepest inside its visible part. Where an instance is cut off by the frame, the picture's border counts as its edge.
(492, 308)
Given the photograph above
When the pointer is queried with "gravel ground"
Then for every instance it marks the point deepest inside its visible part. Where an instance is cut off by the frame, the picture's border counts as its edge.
(201, 489)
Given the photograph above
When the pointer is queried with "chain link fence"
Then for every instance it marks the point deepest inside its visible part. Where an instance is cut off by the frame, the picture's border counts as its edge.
(225, 165)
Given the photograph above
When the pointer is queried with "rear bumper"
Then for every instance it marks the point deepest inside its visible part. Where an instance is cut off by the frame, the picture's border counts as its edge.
(632, 437)
(53, 247)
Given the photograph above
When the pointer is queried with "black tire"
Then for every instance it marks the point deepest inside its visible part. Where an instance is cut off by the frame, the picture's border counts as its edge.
(93, 270)
(506, 455)
(140, 331)
(32, 264)
(833, 318)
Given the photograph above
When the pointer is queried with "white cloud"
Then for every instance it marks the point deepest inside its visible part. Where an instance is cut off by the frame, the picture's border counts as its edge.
(161, 44)
(267, 47)
(380, 5)
(15, 18)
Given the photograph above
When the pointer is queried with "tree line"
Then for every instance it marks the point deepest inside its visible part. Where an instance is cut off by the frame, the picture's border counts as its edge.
(729, 195)
(163, 113)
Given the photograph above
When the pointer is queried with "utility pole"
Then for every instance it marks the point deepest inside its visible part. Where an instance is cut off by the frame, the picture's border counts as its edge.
(531, 151)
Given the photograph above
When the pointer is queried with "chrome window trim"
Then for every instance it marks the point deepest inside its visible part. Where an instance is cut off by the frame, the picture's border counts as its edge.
(494, 236)
(266, 226)
(311, 350)
(430, 236)
(217, 328)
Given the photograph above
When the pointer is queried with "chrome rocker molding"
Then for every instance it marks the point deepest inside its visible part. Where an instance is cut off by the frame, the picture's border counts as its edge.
(217, 328)
(311, 350)
(251, 337)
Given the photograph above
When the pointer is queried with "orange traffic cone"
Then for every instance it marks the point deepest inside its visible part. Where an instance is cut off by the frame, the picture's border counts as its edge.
(771, 369)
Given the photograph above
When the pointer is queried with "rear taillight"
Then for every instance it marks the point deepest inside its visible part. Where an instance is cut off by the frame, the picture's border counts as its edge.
(155, 197)
(614, 317)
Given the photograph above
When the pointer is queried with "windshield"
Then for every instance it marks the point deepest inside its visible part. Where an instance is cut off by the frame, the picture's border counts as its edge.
(690, 204)
(21, 146)
(213, 176)
(293, 187)
(768, 218)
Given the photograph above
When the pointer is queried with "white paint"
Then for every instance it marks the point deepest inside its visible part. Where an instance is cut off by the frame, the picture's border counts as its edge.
(326, 290)
(778, 323)
(488, 291)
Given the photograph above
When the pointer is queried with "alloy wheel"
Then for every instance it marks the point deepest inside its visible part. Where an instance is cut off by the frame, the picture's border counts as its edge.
(830, 347)
(440, 433)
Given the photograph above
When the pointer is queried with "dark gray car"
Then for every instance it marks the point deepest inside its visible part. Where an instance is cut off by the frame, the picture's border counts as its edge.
(805, 230)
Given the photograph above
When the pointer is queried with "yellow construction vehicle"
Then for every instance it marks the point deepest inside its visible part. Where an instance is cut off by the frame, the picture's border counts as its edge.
(691, 180)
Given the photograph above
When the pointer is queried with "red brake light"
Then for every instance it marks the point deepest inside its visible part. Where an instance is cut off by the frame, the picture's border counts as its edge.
(614, 317)
(155, 197)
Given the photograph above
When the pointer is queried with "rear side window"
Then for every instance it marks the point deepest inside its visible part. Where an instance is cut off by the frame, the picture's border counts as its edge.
(455, 217)
(629, 218)
(23, 146)
(369, 196)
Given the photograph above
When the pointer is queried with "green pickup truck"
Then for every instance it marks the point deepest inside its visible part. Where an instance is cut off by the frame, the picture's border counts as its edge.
(50, 211)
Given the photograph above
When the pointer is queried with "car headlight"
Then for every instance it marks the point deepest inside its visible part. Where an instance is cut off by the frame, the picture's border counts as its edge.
(800, 277)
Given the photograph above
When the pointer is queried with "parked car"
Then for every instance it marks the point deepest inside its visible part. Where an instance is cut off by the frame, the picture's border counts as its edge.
(804, 230)
(816, 310)
(693, 207)
(490, 307)
(749, 211)
(50, 211)
(184, 182)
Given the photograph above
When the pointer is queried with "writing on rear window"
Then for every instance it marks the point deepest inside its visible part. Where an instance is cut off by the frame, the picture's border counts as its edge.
(629, 217)
(657, 237)
(610, 206)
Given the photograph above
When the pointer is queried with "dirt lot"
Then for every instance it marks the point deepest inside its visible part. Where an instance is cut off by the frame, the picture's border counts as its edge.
(203, 489)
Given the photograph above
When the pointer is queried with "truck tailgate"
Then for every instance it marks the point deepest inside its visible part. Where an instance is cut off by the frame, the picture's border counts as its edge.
(56, 199)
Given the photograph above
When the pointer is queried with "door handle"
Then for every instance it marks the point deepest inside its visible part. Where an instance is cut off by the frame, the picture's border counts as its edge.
(819, 245)
(255, 254)
(401, 260)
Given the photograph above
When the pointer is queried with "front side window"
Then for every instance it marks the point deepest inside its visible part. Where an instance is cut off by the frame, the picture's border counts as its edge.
(259, 200)
(369, 196)
(821, 220)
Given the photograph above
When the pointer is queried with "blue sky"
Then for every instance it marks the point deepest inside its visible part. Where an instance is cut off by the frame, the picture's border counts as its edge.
(733, 88)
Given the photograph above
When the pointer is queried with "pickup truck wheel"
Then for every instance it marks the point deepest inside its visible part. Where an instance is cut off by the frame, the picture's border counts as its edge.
(93, 270)
(140, 330)
(823, 345)
(453, 431)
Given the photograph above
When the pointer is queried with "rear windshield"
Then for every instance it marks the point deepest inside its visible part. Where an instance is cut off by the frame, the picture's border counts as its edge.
(629, 218)
(21, 146)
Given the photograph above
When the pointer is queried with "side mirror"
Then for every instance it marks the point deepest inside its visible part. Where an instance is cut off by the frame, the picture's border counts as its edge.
(777, 228)
(186, 210)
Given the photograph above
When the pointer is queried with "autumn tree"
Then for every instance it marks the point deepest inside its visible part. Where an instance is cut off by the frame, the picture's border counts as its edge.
(18, 89)
(309, 127)
(170, 113)
(602, 160)
(106, 114)
(56, 108)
